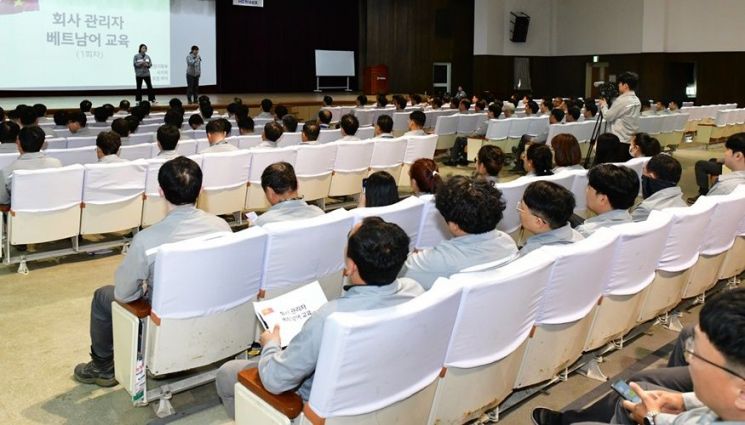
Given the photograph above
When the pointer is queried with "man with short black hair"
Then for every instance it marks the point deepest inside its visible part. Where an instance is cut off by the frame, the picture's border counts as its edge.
(472, 209)
(611, 191)
(384, 127)
(272, 132)
(60, 120)
(734, 159)
(328, 101)
(266, 109)
(310, 133)
(123, 108)
(30, 142)
(376, 250)
(280, 187)
(76, 123)
(660, 188)
(174, 117)
(591, 110)
(168, 137)
(107, 147)
(531, 108)
(100, 116)
(289, 122)
(85, 106)
(121, 127)
(361, 101)
(280, 111)
(349, 125)
(217, 132)
(623, 115)
(573, 114)
(29, 117)
(324, 117)
(8, 137)
(556, 116)
(180, 180)
(245, 125)
(196, 121)
(416, 124)
(544, 211)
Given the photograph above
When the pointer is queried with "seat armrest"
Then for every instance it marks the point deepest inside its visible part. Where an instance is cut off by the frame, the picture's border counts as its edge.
(139, 308)
(288, 403)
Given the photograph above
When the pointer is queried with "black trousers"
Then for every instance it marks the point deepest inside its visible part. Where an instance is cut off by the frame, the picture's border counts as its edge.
(704, 169)
(192, 88)
(150, 93)
(102, 334)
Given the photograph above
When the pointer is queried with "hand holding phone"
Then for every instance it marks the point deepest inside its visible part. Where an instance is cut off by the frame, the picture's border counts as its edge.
(625, 391)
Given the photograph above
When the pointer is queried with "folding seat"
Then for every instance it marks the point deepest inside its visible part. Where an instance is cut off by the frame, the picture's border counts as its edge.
(140, 137)
(497, 313)
(416, 147)
(681, 123)
(201, 133)
(351, 166)
(365, 133)
(112, 197)
(538, 128)
(675, 264)
(496, 131)
(62, 132)
(154, 206)
(555, 129)
(377, 112)
(364, 116)
(468, 123)
(134, 152)
(565, 180)
(260, 159)
(289, 139)
(188, 133)
(430, 118)
(45, 207)
(55, 143)
(313, 167)
(249, 141)
(401, 123)
(81, 142)
(388, 156)
(186, 147)
(335, 112)
(8, 158)
(225, 175)
(329, 135)
(149, 126)
(432, 227)
(353, 383)
(719, 237)
(518, 127)
(202, 144)
(638, 247)
(512, 193)
(445, 128)
(202, 312)
(566, 311)
(343, 110)
(407, 214)
(721, 128)
(86, 155)
(302, 251)
(667, 129)
(734, 261)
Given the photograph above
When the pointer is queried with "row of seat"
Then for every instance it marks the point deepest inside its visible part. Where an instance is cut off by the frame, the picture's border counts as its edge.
(698, 113)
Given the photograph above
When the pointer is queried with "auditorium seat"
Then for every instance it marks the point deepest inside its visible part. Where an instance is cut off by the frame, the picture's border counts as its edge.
(186, 147)
(432, 227)
(497, 312)
(224, 181)
(329, 135)
(579, 189)
(400, 123)
(55, 143)
(141, 137)
(406, 213)
(468, 123)
(313, 167)
(154, 206)
(364, 116)
(365, 133)
(81, 142)
(249, 141)
(288, 139)
(134, 152)
(260, 159)
(416, 147)
(353, 383)
(112, 197)
(350, 167)
(445, 129)
(388, 156)
(8, 158)
(85, 155)
(518, 127)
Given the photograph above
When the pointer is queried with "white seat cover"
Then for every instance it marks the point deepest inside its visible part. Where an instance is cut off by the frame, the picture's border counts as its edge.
(388, 152)
(81, 142)
(135, 139)
(365, 133)
(49, 189)
(225, 170)
(289, 139)
(407, 214)
(400, 121)
(262, 158)
(467, 123)
(152, 187)
(8, 158)
(134, 152)
(114, 182)
(446, 125)
(500, 129)
(249, 141)
(209, 274)
(329, 135)
(186, 147)
(315, 160)
(724, 223)
(579, 190)
(353, 156)
(432, 228)
(420, 147)
(364, 116)
(686, 234)
(518, 127)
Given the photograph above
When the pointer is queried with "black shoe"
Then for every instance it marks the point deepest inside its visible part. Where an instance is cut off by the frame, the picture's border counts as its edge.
(450, 163)
(544, 416)
(99, 373)
(21, 248)
(463, 162)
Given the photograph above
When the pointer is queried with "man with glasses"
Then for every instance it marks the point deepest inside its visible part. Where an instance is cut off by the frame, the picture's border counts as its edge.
(544, 211)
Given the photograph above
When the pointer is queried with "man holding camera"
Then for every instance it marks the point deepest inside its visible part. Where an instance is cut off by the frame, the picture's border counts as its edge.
(623, 115)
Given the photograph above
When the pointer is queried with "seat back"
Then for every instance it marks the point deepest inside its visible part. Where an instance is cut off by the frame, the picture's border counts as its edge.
(353, 156)
(262, 158)
(518, 127)
(401, 121)
(365, 133)
(289, 139)
(579, 190)
(136, 139)
(225, 170)
(685, 236)
(186, 147)
(81, 142)
(668, 123)
(432, 227)
(329, 135)
(538, 127)
(45, 190)
(86, 155)
(500, 129)
(8, 158)
(364, 116)
(315, 160)
(420, 147)
(302, 251)
(721, 231)
(55, 143)
(351, 376)
(135, 152)
(407, 214)
(650, 124)
(249, 141)
(467, 123)
(445, 125)
(577, 278)
(113, 183)
(388, 153)
(512, 193)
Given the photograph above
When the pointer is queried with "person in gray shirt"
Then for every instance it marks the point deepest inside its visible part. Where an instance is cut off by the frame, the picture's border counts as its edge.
(30, 142)
(349, 125)
(217, 133)
(734, 159)
(310, 133)
(107, 147)
(416, 124)
(472, 208)
(266, 109)
(272, 132)
(659, 186)
(611, 191)
(142, 64)
(544, 211)
(76, 124)
(384, 127)
(376, 250)
(193, 71)
(168, 137)
(8, 137)
(181, 181)
(280, 187)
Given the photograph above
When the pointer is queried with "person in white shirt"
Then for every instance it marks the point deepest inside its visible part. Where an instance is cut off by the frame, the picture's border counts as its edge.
(624, 114)
(416, 124)
(384, 127)
(272, 132)
(168, 137)
(8, 136)
(266, 109)
(324, 117)
(107, 147)
(349, 125)
(309, 135)
(734, 159)
(217, 133)
(611, 191)
(544, 211)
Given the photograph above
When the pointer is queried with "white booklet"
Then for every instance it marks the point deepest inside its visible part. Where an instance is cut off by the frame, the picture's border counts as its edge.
(290, 310)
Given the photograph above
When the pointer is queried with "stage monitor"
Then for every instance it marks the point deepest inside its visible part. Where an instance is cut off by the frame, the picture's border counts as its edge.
(84, 44)
(334, 63)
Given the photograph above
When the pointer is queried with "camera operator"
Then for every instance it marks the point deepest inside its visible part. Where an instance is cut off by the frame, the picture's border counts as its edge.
(623, 115)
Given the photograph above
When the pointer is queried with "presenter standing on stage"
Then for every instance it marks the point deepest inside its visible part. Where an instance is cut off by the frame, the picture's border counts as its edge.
(623, 115)
(142, 64)
(193, 71)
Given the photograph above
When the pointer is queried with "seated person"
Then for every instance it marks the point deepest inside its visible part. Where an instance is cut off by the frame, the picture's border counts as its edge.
(309, 135)
(206, 110)
(642, 144)
(30, 142)
(376, 250)
(567, 153)
(381, 101)
(280, 187)
(508, 109)
(609, 149)
(123, 108)
(100, 115)
(416, 124)
(556, 116)
(734, 159)
(489, 163)
(180, 180)
(349, 125)
(272, 132)
(324, 117)
(361, 101)
(245, 125)
(472, 209)
(573, 114)
(458, 151)
(174, 117)
(279, 112)
(28, 116)
(531, 109)
(8, 136)
(196, 121)
(121, 127)
(289, 123)
(378, 190)
(60, 120)
(107, 147)
(384, 127)
(591, 110)
(545, 211)
(660, 188)
(425, 176)
(328, 101)
(76, 123)
(538, 160)
(217, 133)
(611, 191)
(168, 137)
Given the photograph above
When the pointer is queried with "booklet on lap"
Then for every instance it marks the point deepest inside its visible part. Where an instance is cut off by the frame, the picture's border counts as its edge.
(290, 310)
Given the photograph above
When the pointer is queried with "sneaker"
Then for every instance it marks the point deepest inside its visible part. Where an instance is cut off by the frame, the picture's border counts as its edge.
(545, 416)
(90, 373)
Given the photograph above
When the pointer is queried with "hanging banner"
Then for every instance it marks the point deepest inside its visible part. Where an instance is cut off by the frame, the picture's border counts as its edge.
(253, 3)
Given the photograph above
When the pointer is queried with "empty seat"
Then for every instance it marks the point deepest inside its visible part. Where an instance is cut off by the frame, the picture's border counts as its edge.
(112, 197)
(86, 155)
(417, 147)
(224, 181)
(365, 133)
(289, 139)
(134, 152)
(351, 166)
(313, 167)
(407, 214)
(388, 155)
(329, 135)
(432, 228)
